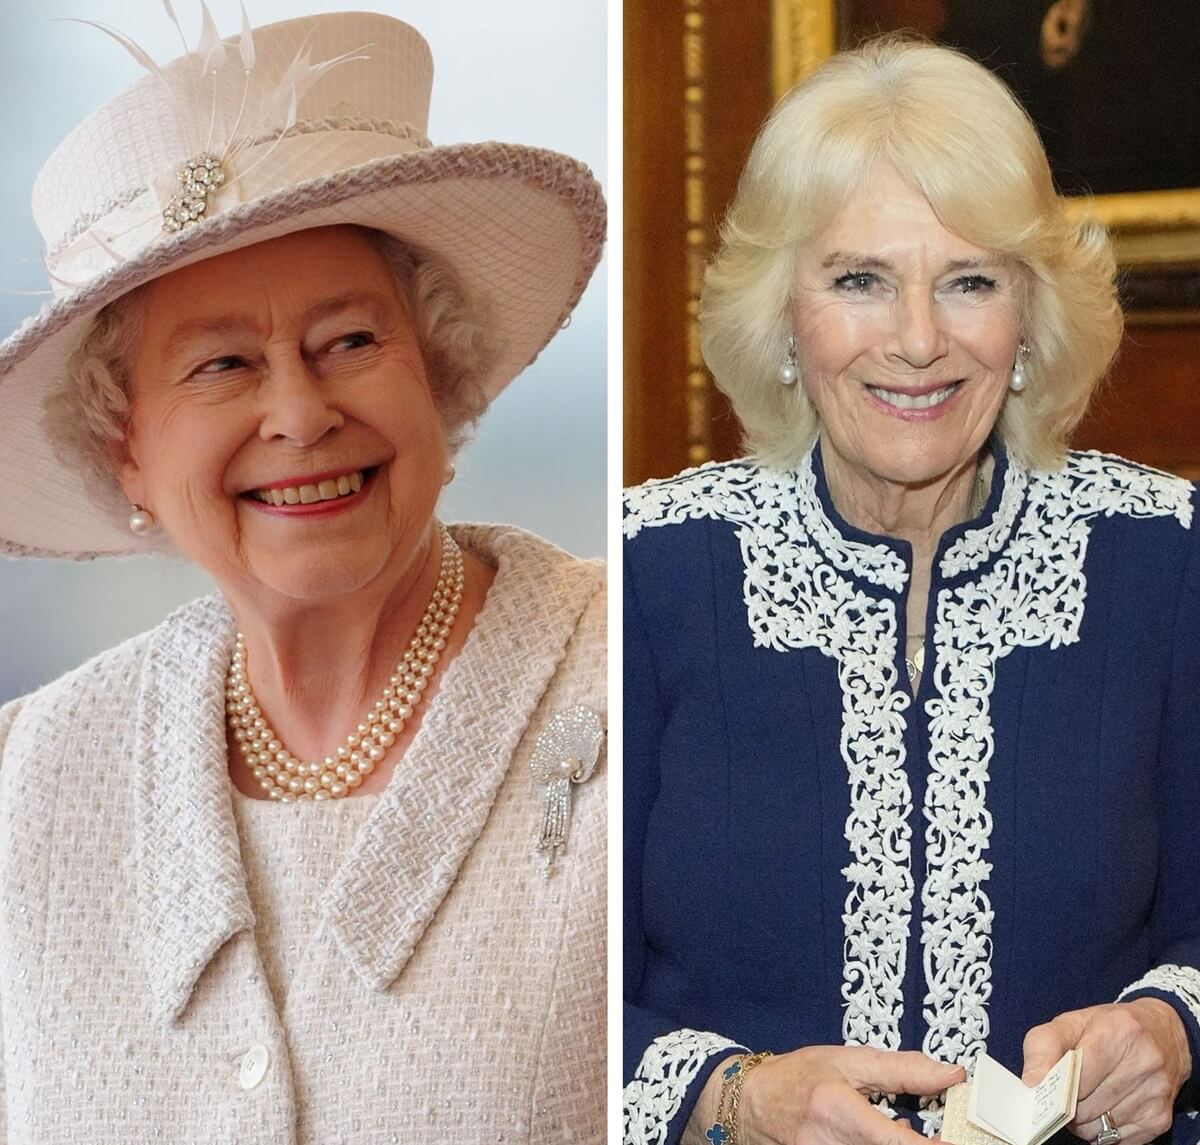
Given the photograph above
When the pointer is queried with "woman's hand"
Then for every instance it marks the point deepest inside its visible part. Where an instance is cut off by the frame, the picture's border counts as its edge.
(818, 1096)
(1135, 1058)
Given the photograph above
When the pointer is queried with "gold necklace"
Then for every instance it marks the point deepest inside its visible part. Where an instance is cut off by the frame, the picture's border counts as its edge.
(915, 663)
(288, 779)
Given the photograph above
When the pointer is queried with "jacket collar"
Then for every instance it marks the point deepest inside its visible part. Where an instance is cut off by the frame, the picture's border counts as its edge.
(191, 884)
(885, 560)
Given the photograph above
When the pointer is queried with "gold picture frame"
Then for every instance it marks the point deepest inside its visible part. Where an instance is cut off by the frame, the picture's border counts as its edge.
(1149, 228)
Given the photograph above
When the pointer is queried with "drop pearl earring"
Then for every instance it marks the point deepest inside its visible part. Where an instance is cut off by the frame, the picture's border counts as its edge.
(788, 373)
(141, 521)
(1018, 381)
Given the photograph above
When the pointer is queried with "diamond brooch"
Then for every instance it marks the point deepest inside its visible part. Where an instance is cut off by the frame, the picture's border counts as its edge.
(198, 178)
(566, 752)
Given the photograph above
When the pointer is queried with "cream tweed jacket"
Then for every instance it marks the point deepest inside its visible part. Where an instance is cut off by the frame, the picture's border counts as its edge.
(449, 993)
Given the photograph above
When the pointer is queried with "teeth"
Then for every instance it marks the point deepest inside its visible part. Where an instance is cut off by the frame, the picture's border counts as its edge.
(328, 490)
(914, 401)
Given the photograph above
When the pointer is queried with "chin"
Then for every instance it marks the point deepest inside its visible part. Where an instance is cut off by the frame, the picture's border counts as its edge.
(918, 466)
(318, 580)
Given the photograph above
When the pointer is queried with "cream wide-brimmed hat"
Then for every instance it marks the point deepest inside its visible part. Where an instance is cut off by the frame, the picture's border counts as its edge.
(306, 123)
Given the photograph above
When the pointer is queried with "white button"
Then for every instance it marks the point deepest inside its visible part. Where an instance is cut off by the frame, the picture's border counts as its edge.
(254, 1065)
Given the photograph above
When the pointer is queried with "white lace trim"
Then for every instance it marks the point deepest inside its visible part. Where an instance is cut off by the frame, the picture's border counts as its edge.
(1034, 595)
(976, 545)
(1182, 981)
(716, 491)
(876, 564)
(740, 492)
(667, 1068)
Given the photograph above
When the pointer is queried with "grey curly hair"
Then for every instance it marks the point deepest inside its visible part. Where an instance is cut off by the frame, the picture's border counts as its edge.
(89, 409)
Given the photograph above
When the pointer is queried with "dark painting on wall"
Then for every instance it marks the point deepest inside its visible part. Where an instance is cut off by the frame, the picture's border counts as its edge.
(1113, 85)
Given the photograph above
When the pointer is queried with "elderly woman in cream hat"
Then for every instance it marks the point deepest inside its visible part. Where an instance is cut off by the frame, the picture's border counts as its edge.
(317, 858)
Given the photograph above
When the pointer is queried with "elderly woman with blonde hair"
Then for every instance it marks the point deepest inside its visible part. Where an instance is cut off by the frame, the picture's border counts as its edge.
(910, 693)
(303, 863)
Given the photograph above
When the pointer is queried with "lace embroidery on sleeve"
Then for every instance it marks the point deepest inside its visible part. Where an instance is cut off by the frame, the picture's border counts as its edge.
(1182, 981)
(667, 1068)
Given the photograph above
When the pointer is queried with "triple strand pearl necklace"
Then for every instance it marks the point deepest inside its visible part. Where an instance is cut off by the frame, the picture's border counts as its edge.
(288, 779)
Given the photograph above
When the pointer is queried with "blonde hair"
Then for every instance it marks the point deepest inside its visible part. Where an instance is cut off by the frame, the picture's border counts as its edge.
(89, 409)
(956, 133)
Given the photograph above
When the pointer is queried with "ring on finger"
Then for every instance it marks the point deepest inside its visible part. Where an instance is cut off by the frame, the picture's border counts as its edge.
(1109, 1134)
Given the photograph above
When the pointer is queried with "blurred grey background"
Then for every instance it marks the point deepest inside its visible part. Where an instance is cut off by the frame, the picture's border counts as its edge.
(529, 72)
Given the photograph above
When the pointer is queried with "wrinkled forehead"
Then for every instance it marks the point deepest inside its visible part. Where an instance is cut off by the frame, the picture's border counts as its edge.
(296, 266)
(286, 283)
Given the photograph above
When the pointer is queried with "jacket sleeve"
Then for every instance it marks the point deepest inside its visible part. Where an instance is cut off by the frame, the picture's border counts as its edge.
(665, 1066)
(8, 715)
(1174, 974)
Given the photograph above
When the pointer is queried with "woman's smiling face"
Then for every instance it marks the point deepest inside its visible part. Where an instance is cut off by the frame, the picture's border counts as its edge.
(906, 335)
(289, 372)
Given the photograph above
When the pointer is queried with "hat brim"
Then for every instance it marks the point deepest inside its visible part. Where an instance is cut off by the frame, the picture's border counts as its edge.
(522, 227)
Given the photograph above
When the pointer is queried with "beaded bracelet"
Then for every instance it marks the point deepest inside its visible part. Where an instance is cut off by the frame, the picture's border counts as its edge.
(724, 1130)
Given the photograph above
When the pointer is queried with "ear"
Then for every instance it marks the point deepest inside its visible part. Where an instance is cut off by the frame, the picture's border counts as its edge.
(128, 471)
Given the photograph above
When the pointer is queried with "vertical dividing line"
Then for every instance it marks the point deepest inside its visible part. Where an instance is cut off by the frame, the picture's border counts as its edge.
(698, 405)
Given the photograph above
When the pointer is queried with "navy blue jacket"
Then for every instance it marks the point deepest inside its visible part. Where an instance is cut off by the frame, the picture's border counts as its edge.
(815, 856)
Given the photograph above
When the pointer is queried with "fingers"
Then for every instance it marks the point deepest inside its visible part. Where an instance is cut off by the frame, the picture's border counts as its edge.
(1045, 1044)
(807, 1096)
(860, 1123)
(1125, 1060)
(906, 1071)
(1138, 1120)
(1138, 1097)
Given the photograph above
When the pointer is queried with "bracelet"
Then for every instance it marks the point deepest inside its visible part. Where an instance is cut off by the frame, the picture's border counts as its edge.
(724, 1130)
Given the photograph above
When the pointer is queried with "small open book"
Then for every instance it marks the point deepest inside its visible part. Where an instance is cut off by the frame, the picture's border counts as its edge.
(995, 1108)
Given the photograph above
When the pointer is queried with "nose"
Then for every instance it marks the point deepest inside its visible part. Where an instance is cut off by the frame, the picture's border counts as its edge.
(295, 404)
(919, 339)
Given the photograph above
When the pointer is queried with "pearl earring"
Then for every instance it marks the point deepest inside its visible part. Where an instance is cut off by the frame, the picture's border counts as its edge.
(788, 373)
(1019, 381)
(141, 521)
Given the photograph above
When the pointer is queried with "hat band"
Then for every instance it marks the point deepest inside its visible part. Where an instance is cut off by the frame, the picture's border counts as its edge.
(308, 150)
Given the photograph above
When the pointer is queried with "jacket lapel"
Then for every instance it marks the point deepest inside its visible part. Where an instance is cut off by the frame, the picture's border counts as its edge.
(191, 891)
(407, 856)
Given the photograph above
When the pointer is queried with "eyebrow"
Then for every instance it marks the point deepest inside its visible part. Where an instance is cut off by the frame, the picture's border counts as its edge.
(226, 325)
(874, 262)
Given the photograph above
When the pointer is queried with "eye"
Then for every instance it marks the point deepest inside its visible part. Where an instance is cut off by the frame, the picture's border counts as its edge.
(974, 284)
(355, 341)
(223, 365)
(857, 282)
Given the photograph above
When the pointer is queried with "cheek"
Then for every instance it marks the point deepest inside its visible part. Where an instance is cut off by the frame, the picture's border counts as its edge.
(185, 449)
(829, 339)
(990, 336)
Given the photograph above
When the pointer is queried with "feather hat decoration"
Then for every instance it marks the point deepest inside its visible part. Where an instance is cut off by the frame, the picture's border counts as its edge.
(306, 123)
